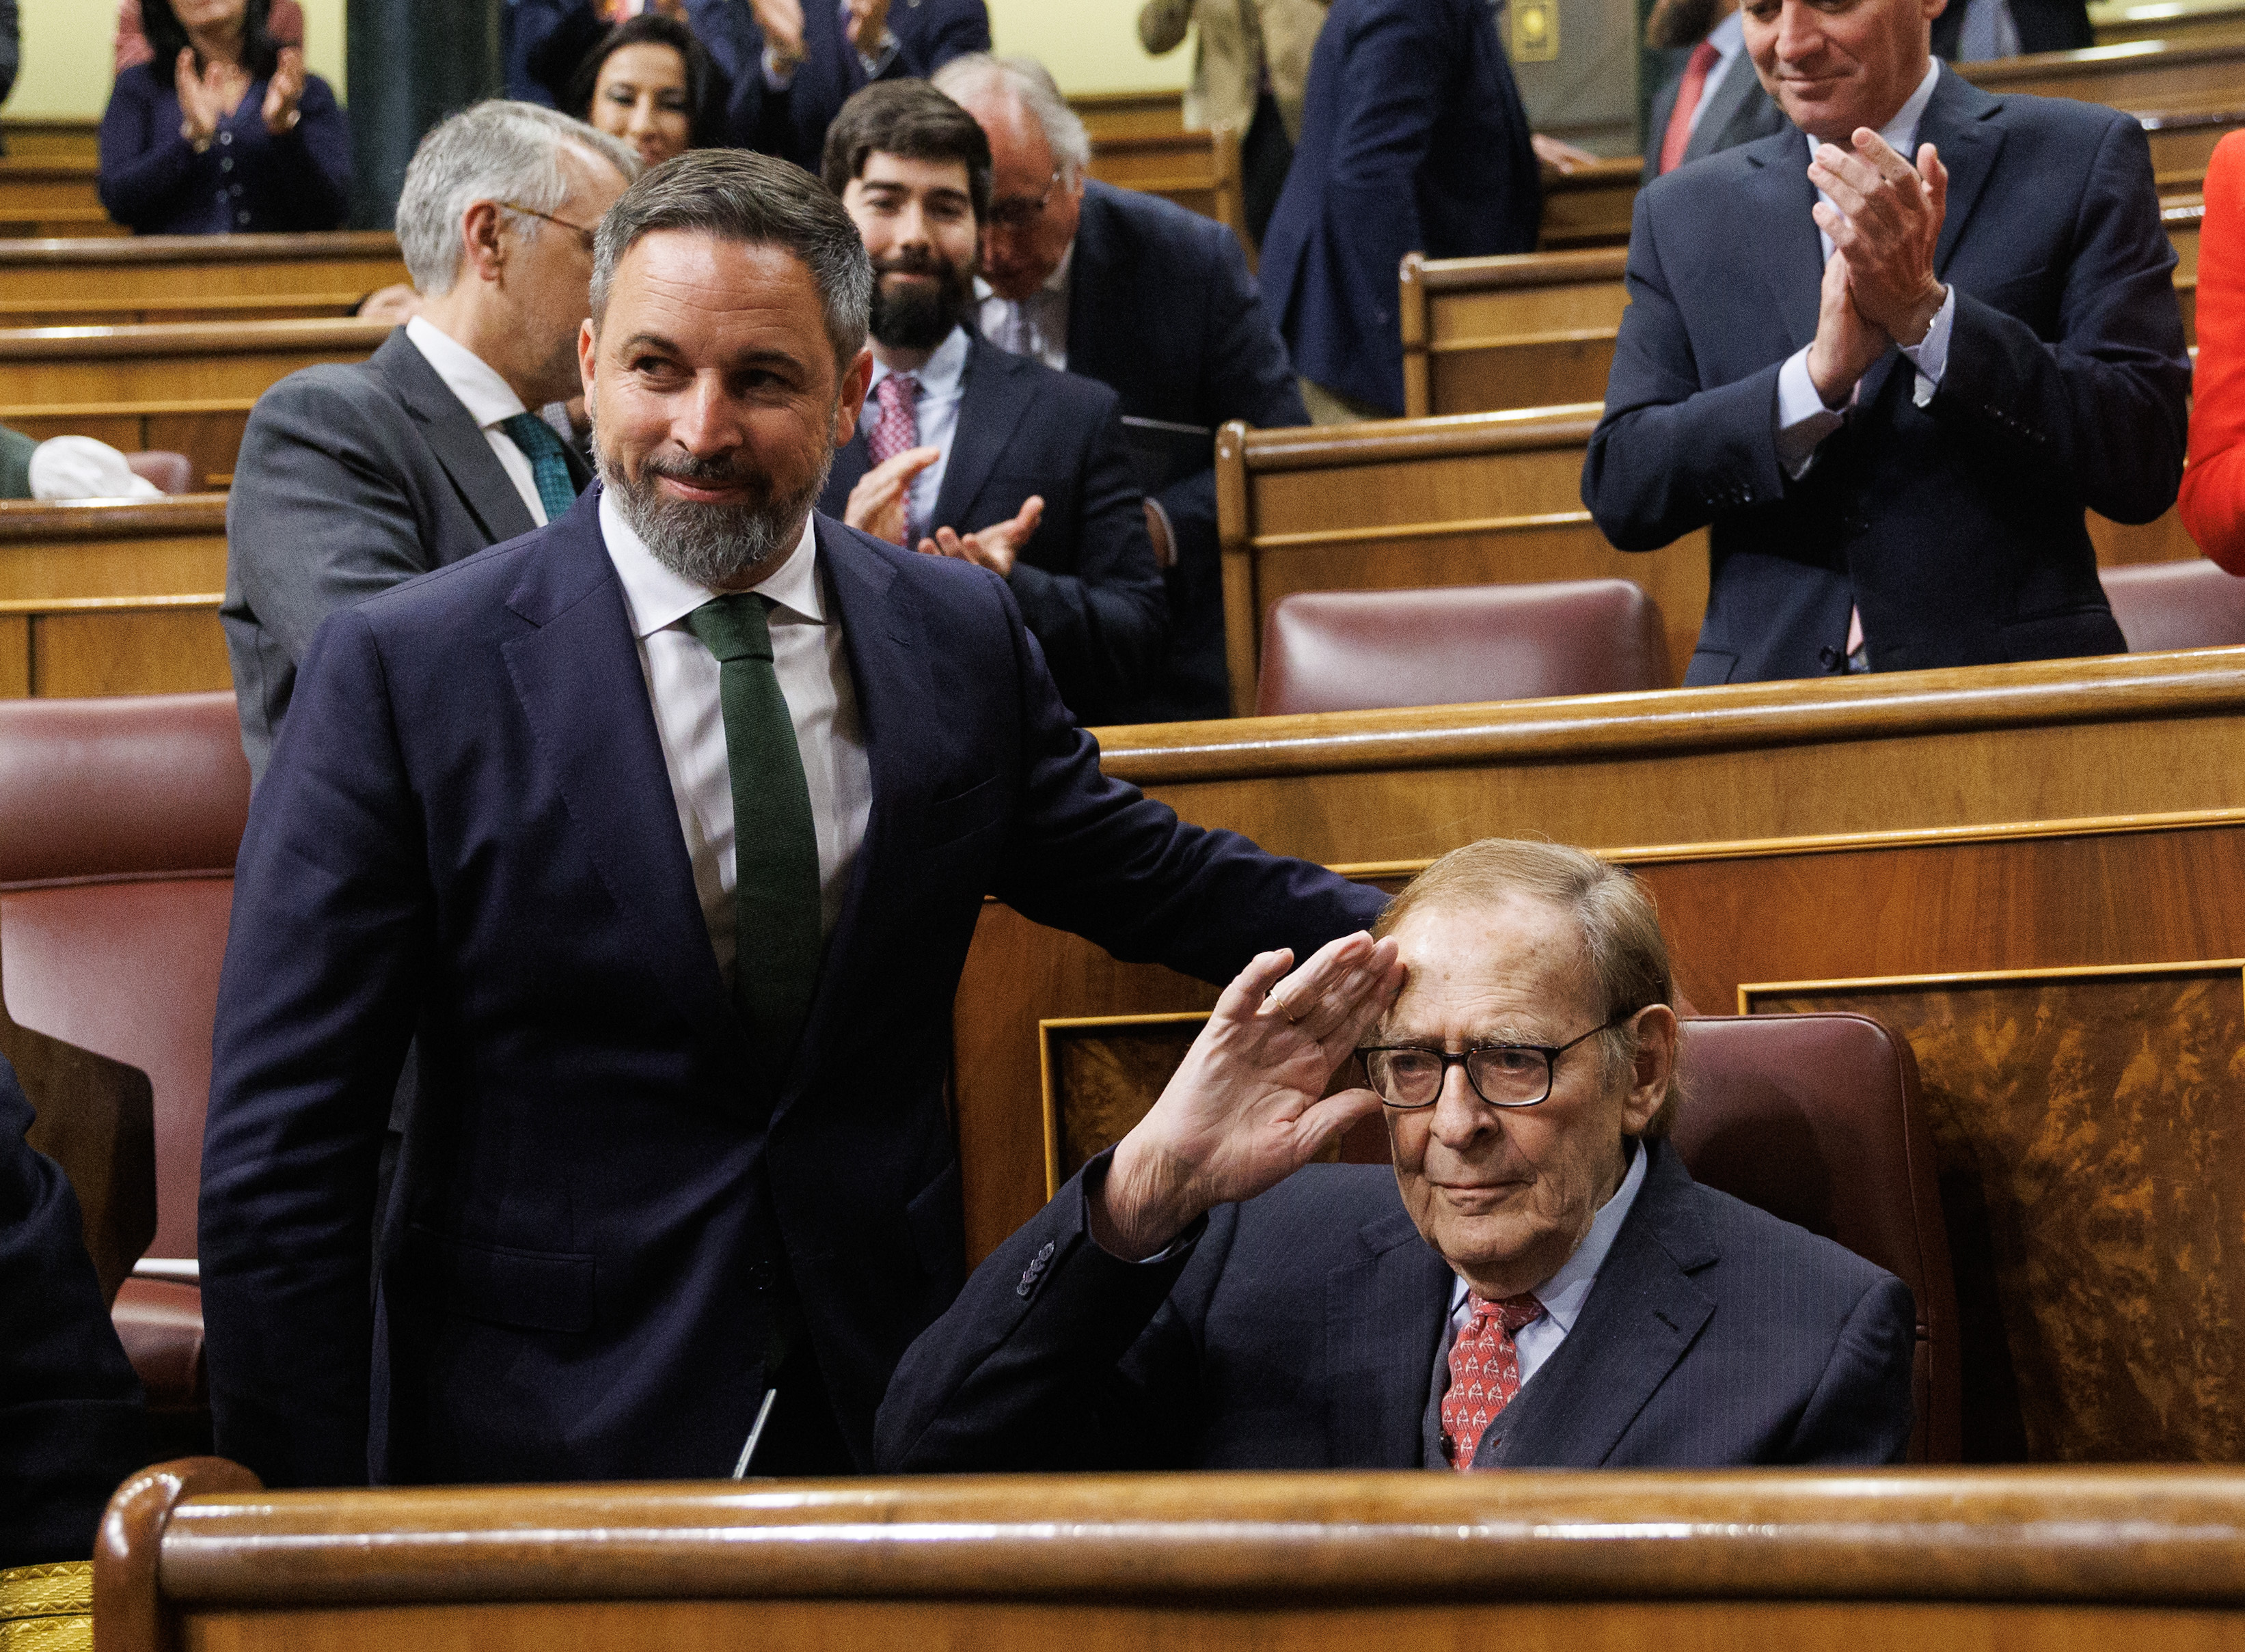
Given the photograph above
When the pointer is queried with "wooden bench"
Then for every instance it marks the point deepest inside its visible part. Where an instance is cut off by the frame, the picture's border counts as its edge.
(123, 280)
(1591, 206)
(2035, 873)
(1129, 114)
(1198, 170)
(51, 195)
(2140, 75)
(185, 387)
(193, 1554)
(2190, 22)
(52, 139)
(113, 596)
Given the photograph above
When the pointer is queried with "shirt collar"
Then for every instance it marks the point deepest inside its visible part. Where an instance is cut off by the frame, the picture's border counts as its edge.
(1564, 1292)
(1901, 132)
(481, 390)
(1729, 36)
(939, 375)
(658, 599)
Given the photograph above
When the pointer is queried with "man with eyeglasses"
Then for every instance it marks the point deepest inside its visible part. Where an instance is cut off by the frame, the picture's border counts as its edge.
(1148, 298)
(352, 479)
(1538, 1284)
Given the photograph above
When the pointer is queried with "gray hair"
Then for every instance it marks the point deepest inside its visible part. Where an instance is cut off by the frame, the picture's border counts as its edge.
(496, 150)
(1030, 84)
(738, 196)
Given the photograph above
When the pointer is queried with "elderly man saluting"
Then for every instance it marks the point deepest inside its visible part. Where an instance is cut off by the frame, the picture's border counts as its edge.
(1538, 1284)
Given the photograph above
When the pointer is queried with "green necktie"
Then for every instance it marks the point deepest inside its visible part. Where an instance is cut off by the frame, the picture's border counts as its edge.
(776, 892)
(549, 465)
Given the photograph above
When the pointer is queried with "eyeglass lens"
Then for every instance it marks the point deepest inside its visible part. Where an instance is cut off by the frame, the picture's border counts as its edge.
(1502, 1074)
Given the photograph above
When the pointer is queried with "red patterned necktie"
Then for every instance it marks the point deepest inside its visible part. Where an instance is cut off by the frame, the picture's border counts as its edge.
(1484, 1372)
(897, 428)
(1679, 136)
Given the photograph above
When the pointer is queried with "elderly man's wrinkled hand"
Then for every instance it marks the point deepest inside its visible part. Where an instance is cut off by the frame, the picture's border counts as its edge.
(1884, 218)
(1248, 1106)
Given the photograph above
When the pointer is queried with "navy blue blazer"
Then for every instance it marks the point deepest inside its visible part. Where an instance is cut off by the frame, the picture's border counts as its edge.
(71, 1420)
(1306, 1330)
(793, 123)
(248, 182)
(1414, 139)
(467, 840)
(1162, 310)
(1956, 527)
(1086, 582)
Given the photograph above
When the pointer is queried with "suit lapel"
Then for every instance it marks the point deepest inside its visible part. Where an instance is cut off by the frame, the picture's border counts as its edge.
(577, 675)
(1384, 1318)
(1958, 123)
(1643, 1313)
(1096, 311)
(995, 393)
(1776, 211)
(1710, 135)
(456, 440)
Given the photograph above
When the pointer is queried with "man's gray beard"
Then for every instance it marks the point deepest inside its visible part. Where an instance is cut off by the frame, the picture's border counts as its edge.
(716, 547)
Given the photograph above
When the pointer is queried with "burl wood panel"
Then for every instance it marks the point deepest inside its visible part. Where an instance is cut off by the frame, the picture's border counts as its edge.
(841, 1626)
(2092, 1165)
(1103, 1077)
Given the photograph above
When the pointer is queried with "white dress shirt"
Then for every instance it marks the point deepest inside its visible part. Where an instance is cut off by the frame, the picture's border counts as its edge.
(1563, 1294)
(1729, 39)
(487, 398)
(942, 382)
(1803, 421)
(682, 683)
(1035, 326)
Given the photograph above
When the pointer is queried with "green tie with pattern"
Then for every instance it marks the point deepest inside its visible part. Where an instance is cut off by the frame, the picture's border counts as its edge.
(775, 891)
(549, 464)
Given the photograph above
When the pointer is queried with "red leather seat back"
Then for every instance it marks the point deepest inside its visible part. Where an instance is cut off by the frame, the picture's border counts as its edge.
(2176, 604)
(171, 472)
(1816, 1119)
(1460, 645)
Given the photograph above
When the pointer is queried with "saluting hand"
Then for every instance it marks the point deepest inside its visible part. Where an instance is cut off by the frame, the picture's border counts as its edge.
(1248, 1108)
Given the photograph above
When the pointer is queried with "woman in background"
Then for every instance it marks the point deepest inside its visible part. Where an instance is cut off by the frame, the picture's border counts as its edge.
(2213, 502)
(650, 82)
(222, 130)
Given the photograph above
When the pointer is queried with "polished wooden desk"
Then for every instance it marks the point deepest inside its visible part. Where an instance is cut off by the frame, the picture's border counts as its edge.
(112, 597)
(187, 387)
(1591, 206)
(2194, 22)
(2035, 873)
(1198, 170)
(109, 282)
(192, 1555)
(67, 139)
(2136, 74)
(53, 194)
(1129, 114)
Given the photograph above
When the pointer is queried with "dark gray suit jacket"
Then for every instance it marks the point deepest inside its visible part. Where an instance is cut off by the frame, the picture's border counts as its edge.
(351, 479)
(1737, 113)
(1304, 1329)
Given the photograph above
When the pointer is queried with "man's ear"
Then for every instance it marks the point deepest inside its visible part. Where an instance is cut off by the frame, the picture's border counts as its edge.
(588, 349)
(1654, 1069)
(857, 379)
(483, 249)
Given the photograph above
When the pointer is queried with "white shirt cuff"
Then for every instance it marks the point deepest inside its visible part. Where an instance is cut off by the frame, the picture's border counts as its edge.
(1930, 353)
(1802, 419)
(773, 79)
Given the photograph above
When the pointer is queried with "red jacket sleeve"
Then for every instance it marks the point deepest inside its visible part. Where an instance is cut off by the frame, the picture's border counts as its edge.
(2213, 501)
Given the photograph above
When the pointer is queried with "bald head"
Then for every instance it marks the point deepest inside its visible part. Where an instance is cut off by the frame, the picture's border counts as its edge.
(1038, 152)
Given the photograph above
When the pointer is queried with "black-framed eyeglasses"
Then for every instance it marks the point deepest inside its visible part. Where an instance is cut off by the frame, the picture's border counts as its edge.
(583, 234)
(1019, 212)
(1504, 1075)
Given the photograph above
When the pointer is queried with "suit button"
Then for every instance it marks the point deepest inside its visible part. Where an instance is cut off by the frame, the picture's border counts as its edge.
(1827, 657)
(1046, 1255)
(763, 1277)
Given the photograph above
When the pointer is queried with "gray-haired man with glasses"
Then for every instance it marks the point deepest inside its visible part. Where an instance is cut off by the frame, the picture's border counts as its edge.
(1538, 1284)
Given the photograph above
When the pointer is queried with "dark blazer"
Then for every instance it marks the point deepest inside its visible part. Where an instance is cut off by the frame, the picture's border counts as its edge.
(1414, 139)
(1086, 582)
(350, 479)
(1738, 112)
(71, 1420)
(467, 838)
(1306, 1330)
(2044, 25)
(1956, 528)
(1162, 310)
(248, 182)
(793, 123)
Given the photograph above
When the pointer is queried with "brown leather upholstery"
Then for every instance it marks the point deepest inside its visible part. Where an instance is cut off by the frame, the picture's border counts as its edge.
(118, 822)
(1360, 650)
(2176, 604)
(1816, 1119)
(171, 472)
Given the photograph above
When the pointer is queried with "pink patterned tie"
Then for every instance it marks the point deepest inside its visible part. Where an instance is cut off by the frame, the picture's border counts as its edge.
(1485, 1373)
(897, 428)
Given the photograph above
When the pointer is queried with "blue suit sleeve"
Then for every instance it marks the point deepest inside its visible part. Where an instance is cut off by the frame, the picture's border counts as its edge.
(1862, 1411)
(327, 946)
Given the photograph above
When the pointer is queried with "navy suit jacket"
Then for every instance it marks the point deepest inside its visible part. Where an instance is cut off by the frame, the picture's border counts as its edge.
(467, 840)
(1956, 527)
(1086, 581)
(71, 1422)
(793, 123)
(1414, 139)
(1162, 310)
(1305, 1328)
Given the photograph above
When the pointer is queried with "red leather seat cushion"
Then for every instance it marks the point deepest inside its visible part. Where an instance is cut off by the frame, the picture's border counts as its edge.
(161, 1325)
(2176, 604)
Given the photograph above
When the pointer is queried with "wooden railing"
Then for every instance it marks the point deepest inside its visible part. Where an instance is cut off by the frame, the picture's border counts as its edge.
(111, 281)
